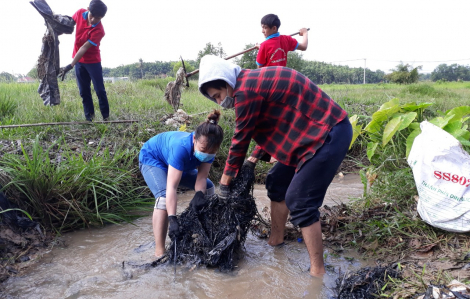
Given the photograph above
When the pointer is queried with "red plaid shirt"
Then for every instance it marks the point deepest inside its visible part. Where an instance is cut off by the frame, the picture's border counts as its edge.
(287, 115)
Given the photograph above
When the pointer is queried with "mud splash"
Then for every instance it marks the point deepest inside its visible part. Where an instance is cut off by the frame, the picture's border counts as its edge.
(91, 265)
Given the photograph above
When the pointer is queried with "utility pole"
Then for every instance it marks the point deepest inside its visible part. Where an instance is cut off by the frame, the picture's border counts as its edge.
(364, 71)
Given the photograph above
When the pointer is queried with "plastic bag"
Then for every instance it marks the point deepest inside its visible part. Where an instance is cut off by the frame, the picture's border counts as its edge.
(441, 169)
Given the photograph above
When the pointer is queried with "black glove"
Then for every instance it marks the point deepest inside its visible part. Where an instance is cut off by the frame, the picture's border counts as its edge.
(198, 202)
(224, 191)
(174, 230)
(64, 70)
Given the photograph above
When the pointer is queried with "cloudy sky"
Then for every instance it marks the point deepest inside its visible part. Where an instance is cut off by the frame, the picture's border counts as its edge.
(418, 32)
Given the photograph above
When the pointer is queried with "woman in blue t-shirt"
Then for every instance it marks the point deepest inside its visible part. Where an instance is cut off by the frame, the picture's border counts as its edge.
(173, 159)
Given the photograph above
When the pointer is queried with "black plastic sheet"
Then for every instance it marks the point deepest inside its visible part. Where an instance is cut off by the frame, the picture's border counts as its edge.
(48, 65)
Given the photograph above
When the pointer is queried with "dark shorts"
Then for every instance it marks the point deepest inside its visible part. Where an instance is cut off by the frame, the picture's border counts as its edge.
(305, 190)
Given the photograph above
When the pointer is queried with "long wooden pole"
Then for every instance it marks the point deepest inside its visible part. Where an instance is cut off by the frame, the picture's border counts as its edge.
(234, 55)
(69, 123)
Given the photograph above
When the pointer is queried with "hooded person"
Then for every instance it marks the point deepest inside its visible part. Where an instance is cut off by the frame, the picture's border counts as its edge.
(292, 120)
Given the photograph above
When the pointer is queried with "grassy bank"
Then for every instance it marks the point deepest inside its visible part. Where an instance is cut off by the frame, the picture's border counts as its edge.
(142, 101)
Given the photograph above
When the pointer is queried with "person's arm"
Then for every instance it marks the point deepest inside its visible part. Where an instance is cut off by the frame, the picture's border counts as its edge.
(81, 52)
(172, 182)
(246, 112)
(261, 57)
(64, 70)
(202, 174)
(304, 44)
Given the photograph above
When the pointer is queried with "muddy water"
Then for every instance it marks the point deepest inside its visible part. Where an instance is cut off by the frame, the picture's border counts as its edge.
(91, 265)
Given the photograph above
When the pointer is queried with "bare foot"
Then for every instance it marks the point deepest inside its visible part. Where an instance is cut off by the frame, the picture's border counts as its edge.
(275, 242)
(317, 274)
(159, 253)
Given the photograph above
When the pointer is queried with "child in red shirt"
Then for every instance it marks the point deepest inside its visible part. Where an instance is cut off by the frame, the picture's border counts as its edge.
(87, 58)
(273, 51)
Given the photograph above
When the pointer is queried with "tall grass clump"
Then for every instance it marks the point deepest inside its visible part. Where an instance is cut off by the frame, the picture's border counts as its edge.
(7, 106)
(423, 90)
(73, 190)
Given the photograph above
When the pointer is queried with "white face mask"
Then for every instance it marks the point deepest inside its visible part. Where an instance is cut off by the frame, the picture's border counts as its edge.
(228, 102)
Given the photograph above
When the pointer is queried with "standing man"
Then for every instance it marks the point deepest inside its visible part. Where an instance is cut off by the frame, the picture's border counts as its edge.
(87, 58)
(273, 51)
(292, 120)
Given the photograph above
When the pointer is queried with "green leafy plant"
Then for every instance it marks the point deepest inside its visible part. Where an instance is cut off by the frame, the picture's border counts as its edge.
(394, 125)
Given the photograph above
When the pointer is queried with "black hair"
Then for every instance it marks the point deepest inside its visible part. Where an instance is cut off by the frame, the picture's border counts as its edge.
(271, 20)
(211, 130)
(97, 8)
(217, 84)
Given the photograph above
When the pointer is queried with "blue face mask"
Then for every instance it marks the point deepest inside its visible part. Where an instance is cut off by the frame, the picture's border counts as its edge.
(203, 157)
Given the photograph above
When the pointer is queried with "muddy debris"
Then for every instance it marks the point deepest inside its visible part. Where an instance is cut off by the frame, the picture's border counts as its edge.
(455, 289)
(21, 240)
(367, 283)
(214, 236)
(177, 119)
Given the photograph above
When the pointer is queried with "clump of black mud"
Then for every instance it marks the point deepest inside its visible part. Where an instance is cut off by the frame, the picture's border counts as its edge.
(365, 283)
(216, 234)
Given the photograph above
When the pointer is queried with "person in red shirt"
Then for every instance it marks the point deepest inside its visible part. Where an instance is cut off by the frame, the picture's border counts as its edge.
(292, 120)
(273, 51)
(87, 59)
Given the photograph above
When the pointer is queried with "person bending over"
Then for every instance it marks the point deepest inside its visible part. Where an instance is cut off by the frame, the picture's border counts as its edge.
(173, 159)
(292, 120)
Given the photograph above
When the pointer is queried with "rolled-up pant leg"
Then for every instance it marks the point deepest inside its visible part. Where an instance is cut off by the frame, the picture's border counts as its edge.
(308, 186)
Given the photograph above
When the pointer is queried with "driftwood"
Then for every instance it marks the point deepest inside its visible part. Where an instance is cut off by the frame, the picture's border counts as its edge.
(69, 123)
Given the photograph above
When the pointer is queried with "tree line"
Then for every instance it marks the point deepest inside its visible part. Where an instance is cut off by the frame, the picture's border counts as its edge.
(319, 72)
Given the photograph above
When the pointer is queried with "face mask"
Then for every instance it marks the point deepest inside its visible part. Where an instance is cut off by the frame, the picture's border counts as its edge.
(203, 157)
(228, 102)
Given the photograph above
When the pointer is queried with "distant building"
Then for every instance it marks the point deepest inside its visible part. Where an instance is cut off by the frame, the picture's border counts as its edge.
(25, 79)
(114, 79)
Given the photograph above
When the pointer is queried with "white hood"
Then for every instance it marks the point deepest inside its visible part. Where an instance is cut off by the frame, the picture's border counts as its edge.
(213, 68)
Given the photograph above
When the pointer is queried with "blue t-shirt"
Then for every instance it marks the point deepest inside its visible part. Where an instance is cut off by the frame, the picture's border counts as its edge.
(170, 148)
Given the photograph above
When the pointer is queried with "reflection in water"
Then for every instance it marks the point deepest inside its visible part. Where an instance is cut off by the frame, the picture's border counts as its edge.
(91, 267)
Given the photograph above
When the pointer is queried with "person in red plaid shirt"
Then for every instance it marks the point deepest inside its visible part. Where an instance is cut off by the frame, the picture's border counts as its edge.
(292, 120)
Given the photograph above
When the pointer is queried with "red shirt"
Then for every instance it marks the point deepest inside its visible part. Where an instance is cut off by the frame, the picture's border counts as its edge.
(273, 51)
(85, 33)
(287, 115)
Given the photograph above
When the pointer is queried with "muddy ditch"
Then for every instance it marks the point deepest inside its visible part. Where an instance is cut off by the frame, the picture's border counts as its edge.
(21, 248)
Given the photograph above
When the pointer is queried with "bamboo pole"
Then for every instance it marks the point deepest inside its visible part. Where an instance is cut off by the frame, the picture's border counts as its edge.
(69, 123)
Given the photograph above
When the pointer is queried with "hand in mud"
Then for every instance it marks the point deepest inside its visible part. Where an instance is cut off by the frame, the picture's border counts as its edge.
(174, 230)
(198, 202)
(64, 70)
(249, 164)
(224, 191)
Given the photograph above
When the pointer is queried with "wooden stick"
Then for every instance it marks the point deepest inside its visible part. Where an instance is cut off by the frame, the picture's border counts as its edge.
(69, 123)
(234, 55)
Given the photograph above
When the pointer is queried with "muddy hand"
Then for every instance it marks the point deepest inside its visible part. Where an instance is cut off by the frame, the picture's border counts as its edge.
(174, 229)
(64, 70)
(224, 191)
(198, 202)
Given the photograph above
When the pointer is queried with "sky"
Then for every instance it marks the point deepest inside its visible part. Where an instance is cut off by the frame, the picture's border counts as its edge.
(345, 32)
